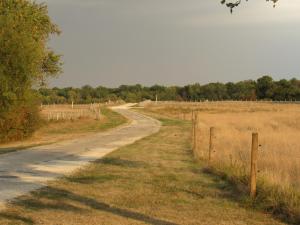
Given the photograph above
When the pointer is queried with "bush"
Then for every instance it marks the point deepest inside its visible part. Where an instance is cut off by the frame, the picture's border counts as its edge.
(19, 122)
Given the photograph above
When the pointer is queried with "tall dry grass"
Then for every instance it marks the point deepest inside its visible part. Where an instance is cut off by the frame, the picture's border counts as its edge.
(278, 126)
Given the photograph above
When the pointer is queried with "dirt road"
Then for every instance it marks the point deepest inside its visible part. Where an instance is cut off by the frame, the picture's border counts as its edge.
(27, 170)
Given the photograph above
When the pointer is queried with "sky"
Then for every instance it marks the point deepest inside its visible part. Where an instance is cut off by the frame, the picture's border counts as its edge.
(174, 42)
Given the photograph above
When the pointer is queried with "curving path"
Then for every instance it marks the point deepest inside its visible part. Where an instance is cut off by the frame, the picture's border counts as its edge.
(27, 170)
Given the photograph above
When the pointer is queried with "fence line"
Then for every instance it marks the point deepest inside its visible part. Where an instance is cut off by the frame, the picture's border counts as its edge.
(196, 133)
(71, 112)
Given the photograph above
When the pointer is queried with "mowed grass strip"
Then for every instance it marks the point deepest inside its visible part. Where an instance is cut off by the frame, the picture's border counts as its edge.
(52, 132)
(153, 181)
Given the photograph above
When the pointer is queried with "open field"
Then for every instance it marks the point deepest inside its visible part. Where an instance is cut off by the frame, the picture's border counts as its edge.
(153, 181)
(279, 154)
(55, 131)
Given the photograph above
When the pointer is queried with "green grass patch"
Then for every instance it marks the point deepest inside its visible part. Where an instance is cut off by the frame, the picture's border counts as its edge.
(92, 178)
(172, 122)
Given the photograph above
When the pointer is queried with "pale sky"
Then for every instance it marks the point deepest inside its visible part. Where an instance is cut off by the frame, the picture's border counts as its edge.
(174, 42)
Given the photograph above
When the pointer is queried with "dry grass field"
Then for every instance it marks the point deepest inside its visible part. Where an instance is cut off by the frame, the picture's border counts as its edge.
(278, 126)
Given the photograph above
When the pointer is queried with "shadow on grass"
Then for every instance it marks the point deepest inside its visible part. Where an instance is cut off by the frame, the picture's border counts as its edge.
(121, 162)
(14, 217)
(36, 205)
(51, 194)
(15, 149)
(90, 179)
(228, 187)
(238, 191)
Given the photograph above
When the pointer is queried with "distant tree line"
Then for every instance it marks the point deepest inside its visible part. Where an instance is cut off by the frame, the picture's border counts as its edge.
(265, 88)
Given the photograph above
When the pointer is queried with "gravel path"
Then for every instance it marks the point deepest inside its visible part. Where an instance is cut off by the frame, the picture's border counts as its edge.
(27, 170)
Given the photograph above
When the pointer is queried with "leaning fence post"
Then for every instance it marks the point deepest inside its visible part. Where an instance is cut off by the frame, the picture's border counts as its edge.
(254, 158)
(211, 143)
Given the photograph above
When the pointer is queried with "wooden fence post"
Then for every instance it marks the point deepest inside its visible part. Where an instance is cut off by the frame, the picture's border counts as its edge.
(193, 128)
(254, 157)
(196, 134)
(211, 143)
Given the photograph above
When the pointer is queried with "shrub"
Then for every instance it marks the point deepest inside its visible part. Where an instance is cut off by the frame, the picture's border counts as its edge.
(19, 122)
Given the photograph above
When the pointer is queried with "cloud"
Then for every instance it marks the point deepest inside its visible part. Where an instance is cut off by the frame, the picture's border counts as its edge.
(174, 41)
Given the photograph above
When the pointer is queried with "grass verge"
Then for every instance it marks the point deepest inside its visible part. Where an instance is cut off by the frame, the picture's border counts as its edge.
(153, 181)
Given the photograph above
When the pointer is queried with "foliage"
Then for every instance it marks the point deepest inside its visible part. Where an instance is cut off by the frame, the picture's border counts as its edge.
(25, 59)
(265, 88)
(231, 4)
(19, 122)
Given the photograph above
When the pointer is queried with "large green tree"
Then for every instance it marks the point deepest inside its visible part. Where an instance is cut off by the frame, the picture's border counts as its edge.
(25, 60)
(265, 87)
